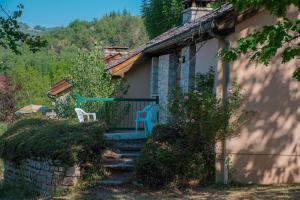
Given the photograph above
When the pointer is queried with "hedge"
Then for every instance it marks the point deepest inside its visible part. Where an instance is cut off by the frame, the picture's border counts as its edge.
(65, 141)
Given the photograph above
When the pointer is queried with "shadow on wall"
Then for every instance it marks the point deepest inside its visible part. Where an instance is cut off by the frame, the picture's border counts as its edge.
(267, 150)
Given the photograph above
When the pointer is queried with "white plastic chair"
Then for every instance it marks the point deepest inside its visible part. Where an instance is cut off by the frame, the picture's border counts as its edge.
(81, 113)
(148, 116)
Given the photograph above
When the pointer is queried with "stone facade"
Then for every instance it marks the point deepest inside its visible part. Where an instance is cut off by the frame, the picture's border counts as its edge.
(187, 73)
(46, 177)
(166, 81)
(154, 76)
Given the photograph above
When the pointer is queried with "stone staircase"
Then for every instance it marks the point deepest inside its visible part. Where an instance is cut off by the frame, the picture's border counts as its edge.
(119, 160)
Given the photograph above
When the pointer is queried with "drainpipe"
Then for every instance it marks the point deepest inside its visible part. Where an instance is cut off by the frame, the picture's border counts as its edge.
(221, 91)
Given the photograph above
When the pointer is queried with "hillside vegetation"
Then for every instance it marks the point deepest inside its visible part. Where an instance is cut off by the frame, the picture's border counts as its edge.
(37, 72)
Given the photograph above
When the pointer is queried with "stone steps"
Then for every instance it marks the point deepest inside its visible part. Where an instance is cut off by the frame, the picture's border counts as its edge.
(117, 179)
(119, 161)
(129, 147)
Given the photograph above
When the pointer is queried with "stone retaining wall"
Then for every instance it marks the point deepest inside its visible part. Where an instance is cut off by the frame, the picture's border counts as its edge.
(44, 176)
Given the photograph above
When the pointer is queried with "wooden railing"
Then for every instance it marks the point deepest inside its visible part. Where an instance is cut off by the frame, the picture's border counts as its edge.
(118, 113)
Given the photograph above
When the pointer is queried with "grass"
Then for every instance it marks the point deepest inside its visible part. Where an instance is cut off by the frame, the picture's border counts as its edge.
(253, 192)
(3, 128)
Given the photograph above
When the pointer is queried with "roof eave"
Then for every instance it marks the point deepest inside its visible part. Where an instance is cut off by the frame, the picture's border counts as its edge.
(194, 33)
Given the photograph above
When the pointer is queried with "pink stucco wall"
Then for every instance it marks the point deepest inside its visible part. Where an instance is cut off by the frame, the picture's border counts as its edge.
(267, 149)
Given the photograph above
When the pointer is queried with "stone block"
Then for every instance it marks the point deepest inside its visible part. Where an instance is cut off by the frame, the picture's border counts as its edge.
(43, 176)
(73, 171)
(69, 181)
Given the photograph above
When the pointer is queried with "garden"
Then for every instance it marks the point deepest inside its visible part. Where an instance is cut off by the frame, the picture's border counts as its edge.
(178, 154)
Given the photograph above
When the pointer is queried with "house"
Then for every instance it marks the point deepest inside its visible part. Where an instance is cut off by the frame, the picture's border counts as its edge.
(267, 149)
(135, 68)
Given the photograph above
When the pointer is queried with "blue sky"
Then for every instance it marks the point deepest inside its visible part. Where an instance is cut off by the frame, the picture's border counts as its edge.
(52, 13)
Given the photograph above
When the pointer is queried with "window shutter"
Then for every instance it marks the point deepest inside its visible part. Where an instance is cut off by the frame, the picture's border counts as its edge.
(154, 77)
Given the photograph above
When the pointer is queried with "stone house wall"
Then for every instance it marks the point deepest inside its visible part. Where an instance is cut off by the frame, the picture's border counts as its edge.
(46, 177)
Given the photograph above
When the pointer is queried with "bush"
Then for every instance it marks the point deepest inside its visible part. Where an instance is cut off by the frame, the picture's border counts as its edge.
(155, 166)
(8, 103)
(19, 191)
(170, 156)
(199, 119)
(66, 141)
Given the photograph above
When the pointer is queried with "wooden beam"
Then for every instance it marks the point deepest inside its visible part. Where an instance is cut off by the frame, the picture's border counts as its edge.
(118, 69)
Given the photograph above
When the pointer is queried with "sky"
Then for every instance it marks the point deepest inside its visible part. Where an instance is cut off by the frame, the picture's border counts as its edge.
(51, 13)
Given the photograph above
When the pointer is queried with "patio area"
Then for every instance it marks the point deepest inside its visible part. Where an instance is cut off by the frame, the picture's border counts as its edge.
(122, 114)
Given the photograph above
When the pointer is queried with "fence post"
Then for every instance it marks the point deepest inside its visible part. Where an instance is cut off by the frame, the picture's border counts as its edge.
(157, 100)
(78, 101)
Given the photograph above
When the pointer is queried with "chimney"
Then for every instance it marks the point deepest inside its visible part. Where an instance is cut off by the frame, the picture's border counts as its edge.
(194, 9)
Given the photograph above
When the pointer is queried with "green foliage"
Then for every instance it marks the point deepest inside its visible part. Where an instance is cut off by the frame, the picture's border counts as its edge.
(161, 15)
(37, 72)
(188, 142)
(89, 78)
(271, 40)
(16, 192)
(277, 8)
(114, 29)
(8, 101)
(171, 156)
(65, 141)
(3, 128)
(1, 168)
(155, 166)
(11, 37)
(201, 112)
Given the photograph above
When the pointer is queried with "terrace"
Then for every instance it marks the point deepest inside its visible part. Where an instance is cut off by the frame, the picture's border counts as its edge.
(120, 115)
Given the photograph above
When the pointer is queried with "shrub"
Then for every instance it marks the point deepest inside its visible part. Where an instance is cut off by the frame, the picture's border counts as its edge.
(66, 141)
(155, 166)
(170, 156)
(19, 191)
(199, 119)
(8, 102)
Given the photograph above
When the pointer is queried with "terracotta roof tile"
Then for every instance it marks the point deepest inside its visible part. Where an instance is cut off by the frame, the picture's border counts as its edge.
(59, 88)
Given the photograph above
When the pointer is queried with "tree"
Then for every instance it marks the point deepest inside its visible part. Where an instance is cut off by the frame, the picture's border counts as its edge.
(11, 37)
(266, 43)
(161, 15)
(89, 78)
(8, 101)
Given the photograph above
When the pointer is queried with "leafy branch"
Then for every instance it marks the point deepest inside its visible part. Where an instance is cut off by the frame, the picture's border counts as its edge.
(11, 37)
(280, 39)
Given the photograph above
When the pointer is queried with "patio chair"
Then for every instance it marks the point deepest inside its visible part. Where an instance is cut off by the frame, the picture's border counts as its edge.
(148, 116)
(81, 114)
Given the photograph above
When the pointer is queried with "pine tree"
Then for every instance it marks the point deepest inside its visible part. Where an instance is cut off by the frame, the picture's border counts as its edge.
(161, 15)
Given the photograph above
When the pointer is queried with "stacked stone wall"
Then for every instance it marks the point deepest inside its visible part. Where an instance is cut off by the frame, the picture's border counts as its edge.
(46, 177)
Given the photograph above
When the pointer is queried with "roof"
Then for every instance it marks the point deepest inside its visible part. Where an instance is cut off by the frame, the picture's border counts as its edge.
(32, 109)
(59, 88)
(199, 26)
(4, 82)
(173, 35)
(110, 58)
(126, 57)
